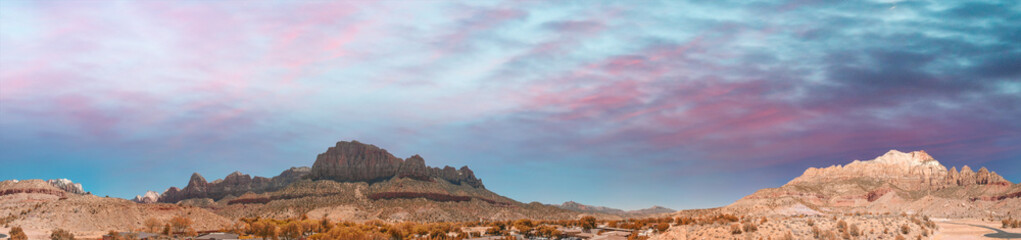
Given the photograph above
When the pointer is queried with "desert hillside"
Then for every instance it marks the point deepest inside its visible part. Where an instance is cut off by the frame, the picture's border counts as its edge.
(895, 182)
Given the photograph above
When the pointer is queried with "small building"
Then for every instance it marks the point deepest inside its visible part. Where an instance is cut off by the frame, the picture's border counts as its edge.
(216, 236)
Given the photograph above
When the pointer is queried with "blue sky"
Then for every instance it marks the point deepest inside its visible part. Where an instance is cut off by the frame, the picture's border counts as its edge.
(623, 104)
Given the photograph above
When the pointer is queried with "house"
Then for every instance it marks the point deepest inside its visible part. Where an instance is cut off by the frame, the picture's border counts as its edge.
(216, 236)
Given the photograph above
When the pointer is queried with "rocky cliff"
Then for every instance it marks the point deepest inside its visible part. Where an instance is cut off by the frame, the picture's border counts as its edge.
(149, 197)
(234, 184)
(914, 170)
(893, 182)
(357, 162)
(67, 185)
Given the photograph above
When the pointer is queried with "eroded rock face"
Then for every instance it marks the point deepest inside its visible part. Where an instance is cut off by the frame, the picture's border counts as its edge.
(149, 197)
(895, 181)
(357, 162)
(915, 170)
(67, 185)
(234, 184)
(346, 162)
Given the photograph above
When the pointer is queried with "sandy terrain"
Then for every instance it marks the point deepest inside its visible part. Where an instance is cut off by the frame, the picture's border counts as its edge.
(963, 229)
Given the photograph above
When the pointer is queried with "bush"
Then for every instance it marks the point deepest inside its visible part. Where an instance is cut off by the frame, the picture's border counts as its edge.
(854, 230)
(750, 227)
(735, 229)
(905, 229)
(788, 236)
(17, 234)
(61, 234)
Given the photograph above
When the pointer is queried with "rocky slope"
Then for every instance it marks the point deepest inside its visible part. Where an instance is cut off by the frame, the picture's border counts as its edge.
(40, 206)
(894, 182)
(234, 184)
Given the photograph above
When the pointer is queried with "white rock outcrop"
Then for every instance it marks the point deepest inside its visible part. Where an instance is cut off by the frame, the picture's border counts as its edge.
(149, 197)
(67, 185)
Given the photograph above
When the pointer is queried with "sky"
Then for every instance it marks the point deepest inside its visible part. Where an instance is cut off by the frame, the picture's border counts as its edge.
(617, 103)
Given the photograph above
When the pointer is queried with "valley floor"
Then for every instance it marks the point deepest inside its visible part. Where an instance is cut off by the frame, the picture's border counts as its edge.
(966, 229)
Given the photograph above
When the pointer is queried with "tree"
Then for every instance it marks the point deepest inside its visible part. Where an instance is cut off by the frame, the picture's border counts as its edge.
(180, 224)
(265, 229)
(18, 234)
(662, 227)
(291, 231)
(61, 234)
(152, 225)
(588, 223)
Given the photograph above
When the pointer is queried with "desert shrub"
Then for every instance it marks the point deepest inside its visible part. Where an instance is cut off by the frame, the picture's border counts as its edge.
(61, 234)
(811, 222)
(180, 224)
(816, 232)
(787, 236)
(905, 229)
(1011, 223)
(17, 233)
(841, 225)
(900, 237)
(829, 235)
(735, 228)
(854, 230)
(750, 227)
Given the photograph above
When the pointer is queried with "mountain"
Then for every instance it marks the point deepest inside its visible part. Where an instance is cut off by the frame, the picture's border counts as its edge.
(647, 212)
(357, 162)
(39, 206)
(357, 181)
(895, 182)
(234, 184)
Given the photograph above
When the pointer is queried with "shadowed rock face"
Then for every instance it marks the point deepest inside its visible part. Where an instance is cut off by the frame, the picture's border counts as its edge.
(357, 162)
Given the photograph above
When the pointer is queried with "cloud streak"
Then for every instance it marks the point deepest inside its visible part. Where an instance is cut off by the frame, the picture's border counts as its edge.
(665, 92)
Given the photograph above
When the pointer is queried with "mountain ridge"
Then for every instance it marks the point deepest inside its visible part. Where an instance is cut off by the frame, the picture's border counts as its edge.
(893, 182)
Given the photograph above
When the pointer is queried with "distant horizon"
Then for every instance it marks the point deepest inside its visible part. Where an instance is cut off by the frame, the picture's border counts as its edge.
(685, 105)
(220, 177)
